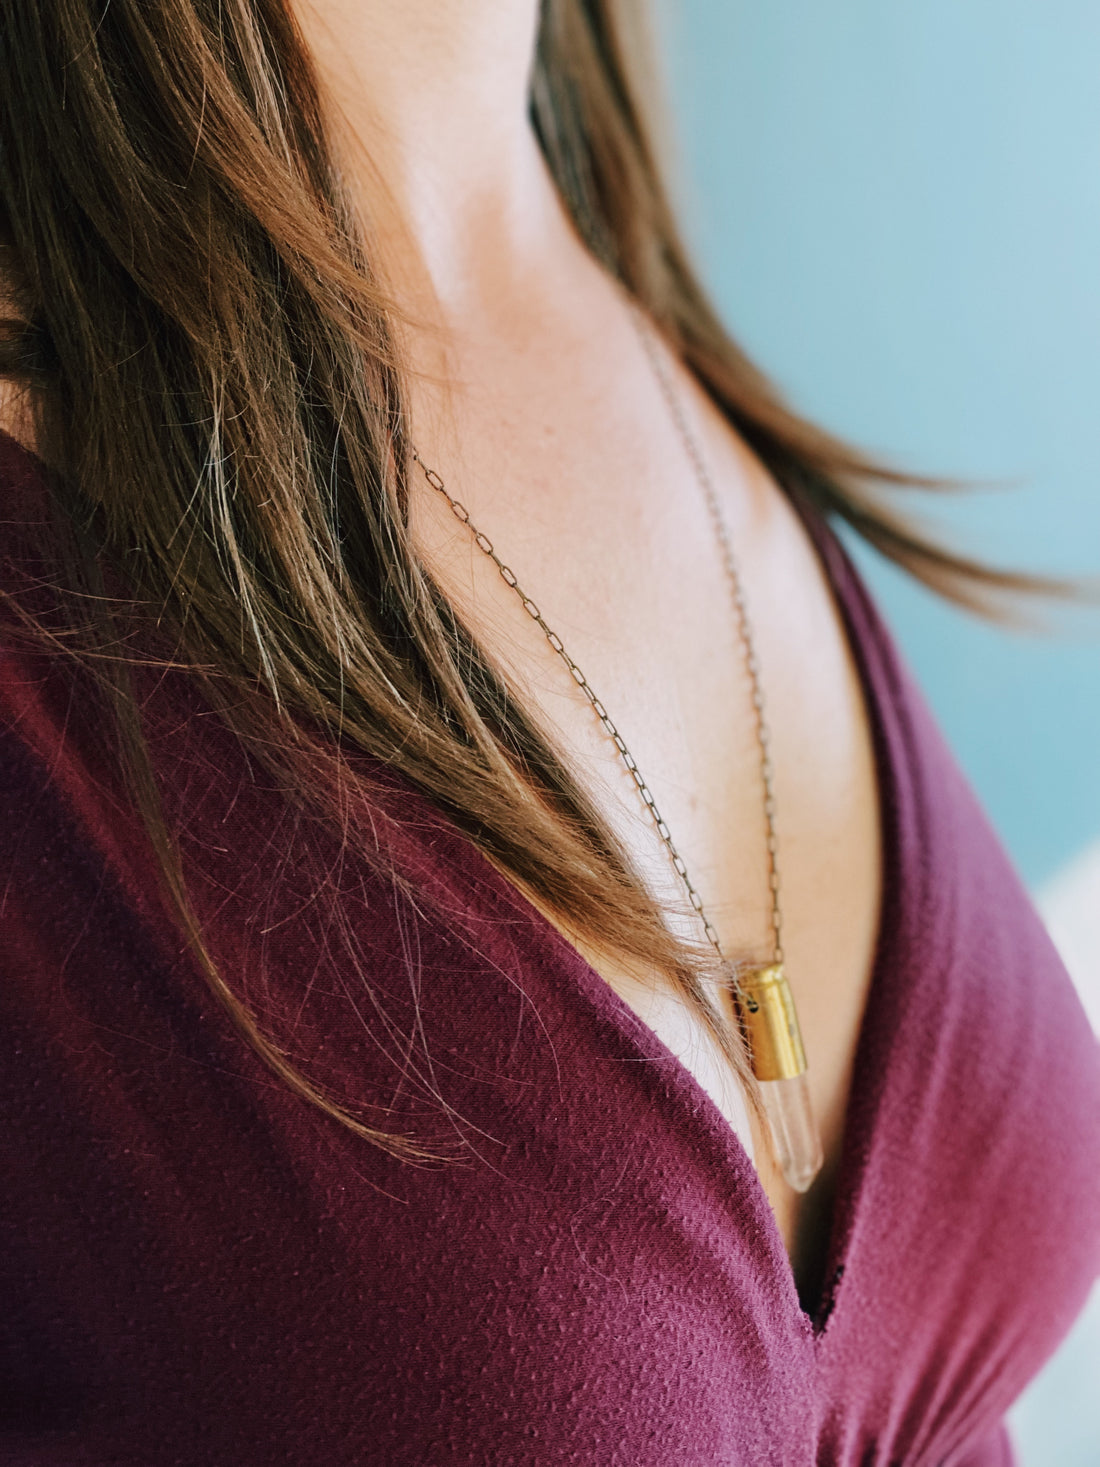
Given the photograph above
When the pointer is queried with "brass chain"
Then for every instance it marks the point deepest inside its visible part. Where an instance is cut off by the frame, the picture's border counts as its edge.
(744, 624)
(744, 628)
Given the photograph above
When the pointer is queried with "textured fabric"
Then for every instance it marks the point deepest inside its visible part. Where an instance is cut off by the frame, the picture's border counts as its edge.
(198, 1268)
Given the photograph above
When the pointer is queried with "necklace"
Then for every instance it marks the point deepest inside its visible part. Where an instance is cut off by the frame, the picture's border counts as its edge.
(762, 995)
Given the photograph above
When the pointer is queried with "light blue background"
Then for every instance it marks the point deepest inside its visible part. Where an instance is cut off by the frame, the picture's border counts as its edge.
(898, 209)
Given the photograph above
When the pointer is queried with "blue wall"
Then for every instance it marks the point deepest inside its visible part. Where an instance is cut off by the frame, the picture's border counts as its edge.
(898, 209)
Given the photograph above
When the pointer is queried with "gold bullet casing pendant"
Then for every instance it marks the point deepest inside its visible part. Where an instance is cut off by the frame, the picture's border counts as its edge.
(771, 1024)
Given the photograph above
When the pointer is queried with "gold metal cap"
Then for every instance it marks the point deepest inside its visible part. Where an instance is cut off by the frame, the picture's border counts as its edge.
(771, 1024)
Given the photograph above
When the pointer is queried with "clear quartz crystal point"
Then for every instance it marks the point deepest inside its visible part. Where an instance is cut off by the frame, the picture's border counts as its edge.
(779, 1064)
(795, 1136)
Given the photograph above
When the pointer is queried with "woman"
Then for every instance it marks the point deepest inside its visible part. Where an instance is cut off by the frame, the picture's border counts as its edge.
(381, 1069)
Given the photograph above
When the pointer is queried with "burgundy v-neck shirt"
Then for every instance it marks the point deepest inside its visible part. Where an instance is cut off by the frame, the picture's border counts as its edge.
(197, 1268)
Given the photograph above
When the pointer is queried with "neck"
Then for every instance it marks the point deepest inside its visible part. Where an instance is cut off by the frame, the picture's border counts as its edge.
(427, 104)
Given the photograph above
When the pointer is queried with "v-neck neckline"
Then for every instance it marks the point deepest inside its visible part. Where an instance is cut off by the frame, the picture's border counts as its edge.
(866, 1087)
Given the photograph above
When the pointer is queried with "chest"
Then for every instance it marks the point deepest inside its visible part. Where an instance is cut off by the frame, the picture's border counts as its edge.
(632, 582)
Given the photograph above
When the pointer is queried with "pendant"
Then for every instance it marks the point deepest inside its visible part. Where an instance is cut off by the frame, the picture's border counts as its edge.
(768, 1015)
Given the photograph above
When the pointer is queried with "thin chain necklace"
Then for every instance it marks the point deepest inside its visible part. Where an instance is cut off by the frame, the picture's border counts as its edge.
(762, 995)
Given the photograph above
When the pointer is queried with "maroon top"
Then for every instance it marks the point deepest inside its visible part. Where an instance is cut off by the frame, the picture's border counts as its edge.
(199, 1268)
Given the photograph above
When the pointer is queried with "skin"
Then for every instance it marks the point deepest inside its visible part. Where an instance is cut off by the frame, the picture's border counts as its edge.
(531, 396)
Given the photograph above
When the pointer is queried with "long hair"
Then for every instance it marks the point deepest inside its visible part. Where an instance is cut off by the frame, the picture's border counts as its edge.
(214, 387)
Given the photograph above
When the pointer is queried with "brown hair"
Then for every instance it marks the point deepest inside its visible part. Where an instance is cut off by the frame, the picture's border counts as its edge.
(214, 387)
